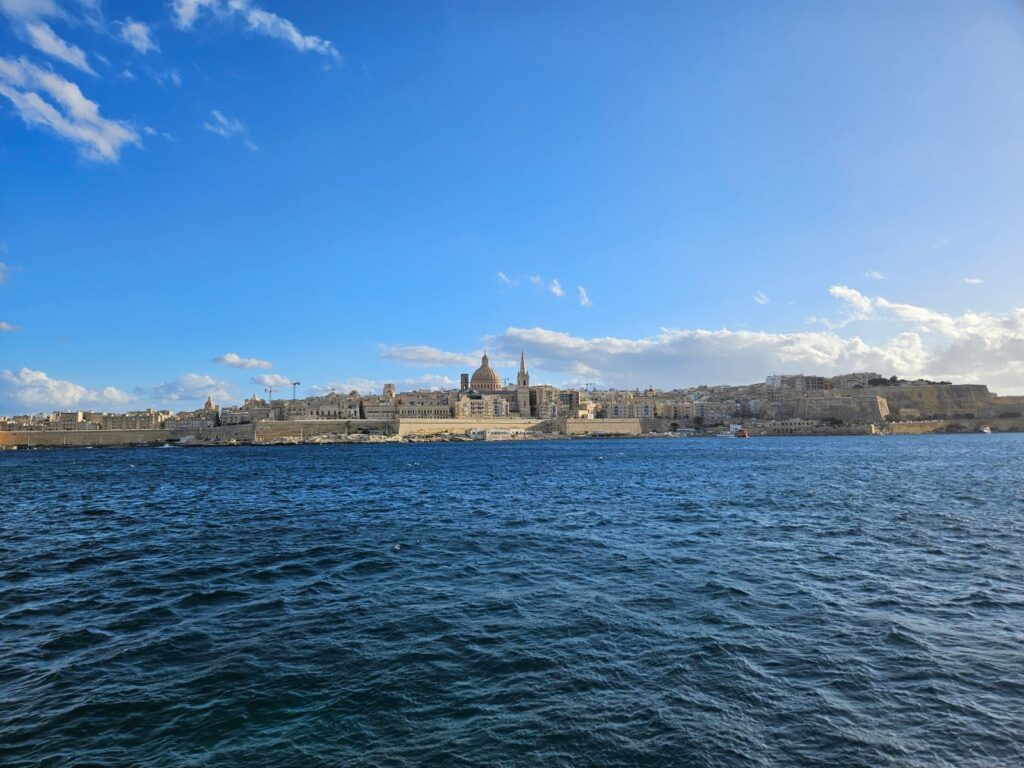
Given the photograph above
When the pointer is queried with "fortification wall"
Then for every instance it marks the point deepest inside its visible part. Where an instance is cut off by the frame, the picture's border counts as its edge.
(98, 437)
(407, 427)
(936, 400)
(600, 426)
(1011, 407)
(855, 409)
(270, 431)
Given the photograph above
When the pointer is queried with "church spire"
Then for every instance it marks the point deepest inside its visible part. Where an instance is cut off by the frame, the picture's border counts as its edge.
(523, 379)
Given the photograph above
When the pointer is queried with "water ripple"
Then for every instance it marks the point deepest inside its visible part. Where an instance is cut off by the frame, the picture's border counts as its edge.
(771, 602)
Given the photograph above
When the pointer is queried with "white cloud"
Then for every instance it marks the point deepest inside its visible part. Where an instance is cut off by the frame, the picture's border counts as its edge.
(8, 328)
(973, 347)
(271, 380)
(556, 288)
(584, 298)
(536, 279)
(259, 21)
(3, 269)
(45, 99)
(432, 381)
(44, 39)
(424, 355)
(680, 357)
(192, 386)
(973, 280)
(857, 300)
(228, 127)
(874, 275)
(504, 278)
(237, 361)
(138, 35)
(761, 298)
(34, 390)
(114, 396)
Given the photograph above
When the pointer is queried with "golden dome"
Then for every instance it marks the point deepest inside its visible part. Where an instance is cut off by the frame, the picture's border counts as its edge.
(485, 378)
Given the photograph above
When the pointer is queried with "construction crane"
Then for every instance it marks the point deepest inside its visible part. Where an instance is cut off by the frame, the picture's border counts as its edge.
(270, 393)
(294, 385)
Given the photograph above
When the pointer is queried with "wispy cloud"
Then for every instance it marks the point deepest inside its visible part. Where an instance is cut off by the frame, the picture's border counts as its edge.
(584, 298)
(138, 35)
(228, 127)
(6, 327)
(29, 9)
(761, 298)
(556, 288)
(257, 20)
(860, 303)
(45, 99)
(44, 39)
(237, 361)
(973, 280)
(3, 267)
(504, 278)
(874, 275)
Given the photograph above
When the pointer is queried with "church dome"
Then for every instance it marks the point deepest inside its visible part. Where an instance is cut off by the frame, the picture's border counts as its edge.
(485, 378)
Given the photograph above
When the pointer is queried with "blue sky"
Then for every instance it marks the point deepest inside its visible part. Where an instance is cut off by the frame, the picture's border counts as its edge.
(201, 196)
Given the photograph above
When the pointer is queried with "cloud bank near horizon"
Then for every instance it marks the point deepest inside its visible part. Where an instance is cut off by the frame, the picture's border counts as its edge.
(909, 341)
(893, 338)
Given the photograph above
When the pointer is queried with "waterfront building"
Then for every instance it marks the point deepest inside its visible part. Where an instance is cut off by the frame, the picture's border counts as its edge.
(426, 404)
(475, 405)
(379, 408)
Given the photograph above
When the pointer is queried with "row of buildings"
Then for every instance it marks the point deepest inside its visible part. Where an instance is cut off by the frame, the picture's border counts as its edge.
(855, 398)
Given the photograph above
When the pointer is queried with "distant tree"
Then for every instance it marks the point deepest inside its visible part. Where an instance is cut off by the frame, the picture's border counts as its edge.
(698, 422)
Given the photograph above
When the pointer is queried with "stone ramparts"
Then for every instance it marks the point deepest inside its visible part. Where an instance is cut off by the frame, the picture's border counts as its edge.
(425, 427)
(92, 438)
(272, 431)
(617, 427)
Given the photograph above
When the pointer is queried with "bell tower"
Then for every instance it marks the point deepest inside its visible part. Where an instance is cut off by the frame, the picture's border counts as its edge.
(523, 387)
(523, 379)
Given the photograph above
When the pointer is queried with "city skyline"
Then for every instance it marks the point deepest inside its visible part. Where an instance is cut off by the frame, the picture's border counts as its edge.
(216, 198)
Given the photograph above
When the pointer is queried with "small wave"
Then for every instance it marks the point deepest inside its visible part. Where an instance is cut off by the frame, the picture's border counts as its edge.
(75, 640)
(215, 597)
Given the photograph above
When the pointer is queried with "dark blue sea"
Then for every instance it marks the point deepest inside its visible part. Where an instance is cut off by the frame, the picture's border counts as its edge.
(765, 602)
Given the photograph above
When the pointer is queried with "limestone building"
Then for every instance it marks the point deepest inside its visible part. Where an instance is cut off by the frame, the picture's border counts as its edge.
(486, 381)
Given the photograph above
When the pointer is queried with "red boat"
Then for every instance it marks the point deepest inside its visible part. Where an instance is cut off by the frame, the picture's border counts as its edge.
(741, 432)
